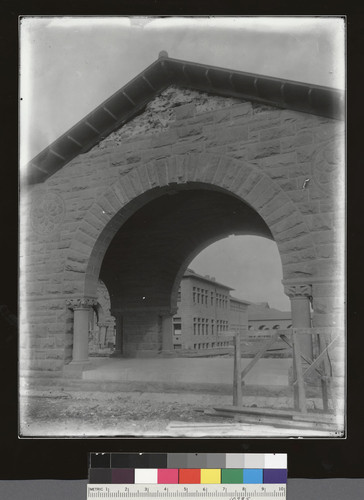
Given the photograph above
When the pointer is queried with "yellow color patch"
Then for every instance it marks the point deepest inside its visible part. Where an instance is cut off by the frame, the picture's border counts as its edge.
(210, 476)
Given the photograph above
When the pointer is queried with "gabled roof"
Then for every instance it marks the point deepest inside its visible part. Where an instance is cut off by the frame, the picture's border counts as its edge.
(190, 273)
(241, 301)
(130, 100)
(262, 311)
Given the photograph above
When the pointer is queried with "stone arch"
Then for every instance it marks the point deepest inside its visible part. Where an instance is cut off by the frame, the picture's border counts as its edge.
(144, 183)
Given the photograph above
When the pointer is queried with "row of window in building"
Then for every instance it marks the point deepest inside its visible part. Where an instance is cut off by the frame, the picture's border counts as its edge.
(221, 300)
(201, 296)
(205, 326)
(208, 345)
(265, 327)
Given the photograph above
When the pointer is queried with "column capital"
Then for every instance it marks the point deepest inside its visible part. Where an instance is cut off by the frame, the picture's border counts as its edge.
(81, 303)
(298, 291)
(106, 324)
(312, 280)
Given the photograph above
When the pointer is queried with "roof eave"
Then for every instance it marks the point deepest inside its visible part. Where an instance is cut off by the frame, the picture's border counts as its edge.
(128, 101)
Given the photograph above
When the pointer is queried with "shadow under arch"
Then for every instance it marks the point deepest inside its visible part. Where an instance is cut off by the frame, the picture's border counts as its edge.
(142, 262)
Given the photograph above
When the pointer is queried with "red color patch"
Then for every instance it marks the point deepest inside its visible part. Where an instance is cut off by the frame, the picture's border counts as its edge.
(189, 476)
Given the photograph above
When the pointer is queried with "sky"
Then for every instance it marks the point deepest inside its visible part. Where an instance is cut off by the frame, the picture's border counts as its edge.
(69, 65)
(251, 265)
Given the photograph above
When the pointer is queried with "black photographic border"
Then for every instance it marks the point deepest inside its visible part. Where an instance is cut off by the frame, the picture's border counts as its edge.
(67, 458)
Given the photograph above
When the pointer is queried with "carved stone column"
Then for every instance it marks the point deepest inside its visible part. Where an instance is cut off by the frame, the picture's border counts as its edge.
(300, 296)
(102, 334)
(118, 352)
(81, 308)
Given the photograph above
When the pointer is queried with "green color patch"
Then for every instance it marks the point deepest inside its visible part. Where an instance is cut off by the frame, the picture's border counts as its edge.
(231, 476)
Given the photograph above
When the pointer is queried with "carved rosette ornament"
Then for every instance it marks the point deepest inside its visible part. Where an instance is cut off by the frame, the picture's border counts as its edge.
(47, 212)
(81, 303)
(298, 291)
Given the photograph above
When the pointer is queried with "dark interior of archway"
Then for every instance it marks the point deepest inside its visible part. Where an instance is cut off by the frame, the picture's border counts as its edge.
(145, 256)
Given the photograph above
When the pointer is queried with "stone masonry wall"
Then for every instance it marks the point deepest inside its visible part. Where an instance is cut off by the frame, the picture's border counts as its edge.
(142, 333)
(301, 153)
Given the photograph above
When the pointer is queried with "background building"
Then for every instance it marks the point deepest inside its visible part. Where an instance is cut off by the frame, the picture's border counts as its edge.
(263, 317)
(206, 312)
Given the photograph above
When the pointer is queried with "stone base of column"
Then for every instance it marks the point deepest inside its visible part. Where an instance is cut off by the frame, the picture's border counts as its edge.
(75, 368)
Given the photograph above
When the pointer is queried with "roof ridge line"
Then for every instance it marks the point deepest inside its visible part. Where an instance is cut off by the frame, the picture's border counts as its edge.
(130, 99)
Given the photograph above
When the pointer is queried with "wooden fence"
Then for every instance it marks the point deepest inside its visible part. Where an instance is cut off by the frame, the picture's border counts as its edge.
(323, 339)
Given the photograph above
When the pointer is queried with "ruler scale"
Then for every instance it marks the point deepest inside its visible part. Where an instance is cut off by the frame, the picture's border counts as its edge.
(192, 492)
(189, 476)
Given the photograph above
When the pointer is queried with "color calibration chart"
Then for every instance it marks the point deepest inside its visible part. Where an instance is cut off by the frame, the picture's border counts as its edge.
(192, 476)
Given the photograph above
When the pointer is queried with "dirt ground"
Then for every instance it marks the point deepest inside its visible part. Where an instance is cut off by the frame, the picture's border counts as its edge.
(59, 413)
(98, 413)
(136, 412)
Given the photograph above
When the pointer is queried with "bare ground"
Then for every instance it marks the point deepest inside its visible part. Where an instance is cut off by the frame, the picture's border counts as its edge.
(59, 413)
(136, 412)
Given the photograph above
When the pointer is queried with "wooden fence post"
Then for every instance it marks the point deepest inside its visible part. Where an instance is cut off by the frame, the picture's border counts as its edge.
(299, 375)
(237, 386)
(325, 379)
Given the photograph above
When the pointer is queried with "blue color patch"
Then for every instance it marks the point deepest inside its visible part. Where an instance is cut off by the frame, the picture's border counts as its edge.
(252, 476)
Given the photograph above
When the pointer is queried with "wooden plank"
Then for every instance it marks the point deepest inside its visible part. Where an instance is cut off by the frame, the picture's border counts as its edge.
(237, 390)
(275, 412)
(257, 357)
(321, 356)
(255, 410)
(325, 381)
(305, 358)
(315, 417)
(300, 380)
(271, 419)
(274, 421)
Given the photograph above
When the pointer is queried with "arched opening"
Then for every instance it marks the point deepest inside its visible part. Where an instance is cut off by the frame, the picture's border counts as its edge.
(144, 263)
(142, 233)
(141, 252)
